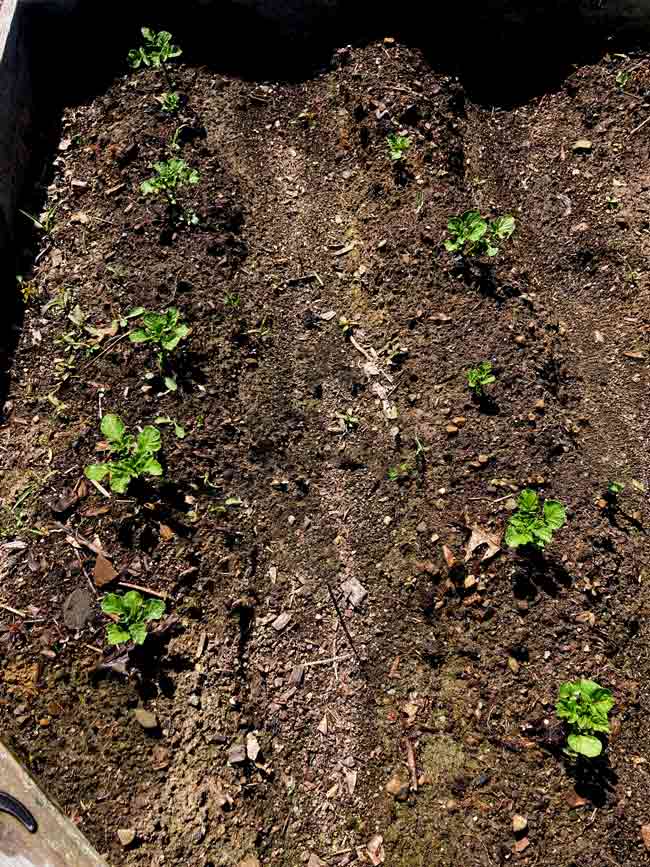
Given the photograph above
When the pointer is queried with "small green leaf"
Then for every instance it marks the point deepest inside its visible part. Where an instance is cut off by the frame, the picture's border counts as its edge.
(152, 467)
(171, 384)
(149, 440)
(516, 536)
(139, 335)
(179, 431)
(503, 227)
(112, 604)
(120, 478)
(585, 745)
(138, 632)
(133, 314)
(96, 472)
(132, 602)
(112, 427)
(116, 634)
(153, 609)
(554, 514)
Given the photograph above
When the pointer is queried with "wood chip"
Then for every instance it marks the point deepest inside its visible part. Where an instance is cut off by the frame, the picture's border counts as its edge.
(354, 592)
(281, 621)
(375, 850)
(323, 726)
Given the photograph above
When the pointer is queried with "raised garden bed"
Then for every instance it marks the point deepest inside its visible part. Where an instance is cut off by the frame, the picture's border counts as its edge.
(333, 450)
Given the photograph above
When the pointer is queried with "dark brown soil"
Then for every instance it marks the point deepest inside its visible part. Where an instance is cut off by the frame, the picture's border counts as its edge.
(304, 222)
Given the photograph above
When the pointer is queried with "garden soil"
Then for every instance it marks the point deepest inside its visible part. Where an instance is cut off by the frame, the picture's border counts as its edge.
(341, 676)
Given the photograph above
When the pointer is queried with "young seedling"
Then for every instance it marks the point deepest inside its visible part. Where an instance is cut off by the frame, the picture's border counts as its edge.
(479, 377)
(584, 705)
(171, 176)
(622, 78)
(400, 472)
(133, 613)
(178, 429)
(156, 52)
(44, 223)
(170, 102)
(132, 458)
(163, 331)
(397, 146)
(533, 524)
(231, 299)
(347, 421)
(473, 235)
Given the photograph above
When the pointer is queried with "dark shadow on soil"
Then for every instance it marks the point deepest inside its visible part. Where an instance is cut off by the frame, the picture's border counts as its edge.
(535, 573)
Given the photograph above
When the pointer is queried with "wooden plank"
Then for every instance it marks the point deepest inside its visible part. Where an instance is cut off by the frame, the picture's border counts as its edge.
(56, 843)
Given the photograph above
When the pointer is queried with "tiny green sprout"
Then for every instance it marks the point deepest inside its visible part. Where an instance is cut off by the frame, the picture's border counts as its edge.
(170, 176)
(132, 458)
(178, 430)
(622, 78)
(170, 102)
(400, 472)
(44, 223)
(163, 331)
(348, 421)
(534, 524)
(397, 146)
(132, 613)
(471, 234)
(156, 52)
(612, 203)
(615, 488)
(231, 299)
(347, 326)
(479, 377)
(584, 705)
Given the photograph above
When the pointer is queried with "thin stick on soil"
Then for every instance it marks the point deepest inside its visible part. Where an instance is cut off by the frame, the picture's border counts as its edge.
(640, 126)
(343, 624)
(146, 590)
(12, 610)
(326, 661)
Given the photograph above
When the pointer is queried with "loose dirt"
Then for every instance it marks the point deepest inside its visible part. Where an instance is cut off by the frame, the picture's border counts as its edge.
(317, 286)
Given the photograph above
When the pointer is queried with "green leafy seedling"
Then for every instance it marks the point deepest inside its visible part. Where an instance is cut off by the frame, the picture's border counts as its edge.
(178, 429)
(622, 78)
(164, 331)
(397, 146)
(157, 51)
(170, 176)
(479, 377)
(584, 705)
(534, 524)
(170, 102)
(473, 235)
(132, 457)
(44, 223)
(400, 472)
(134, 613)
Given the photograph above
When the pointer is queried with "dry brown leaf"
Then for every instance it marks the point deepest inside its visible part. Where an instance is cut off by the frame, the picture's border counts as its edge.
(448, 554)
(166, 533)
(481, 537)
(104, 571)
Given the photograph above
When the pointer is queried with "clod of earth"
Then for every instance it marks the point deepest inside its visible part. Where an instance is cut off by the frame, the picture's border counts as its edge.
(78, 609)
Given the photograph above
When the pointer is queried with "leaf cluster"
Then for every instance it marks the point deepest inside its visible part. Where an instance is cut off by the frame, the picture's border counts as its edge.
(170, 175)
(397, 146)
(480, 376)
(584, 705)
(133, 457)
(156, 51)
(532, 523)
(134, 613)
(473, 235)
